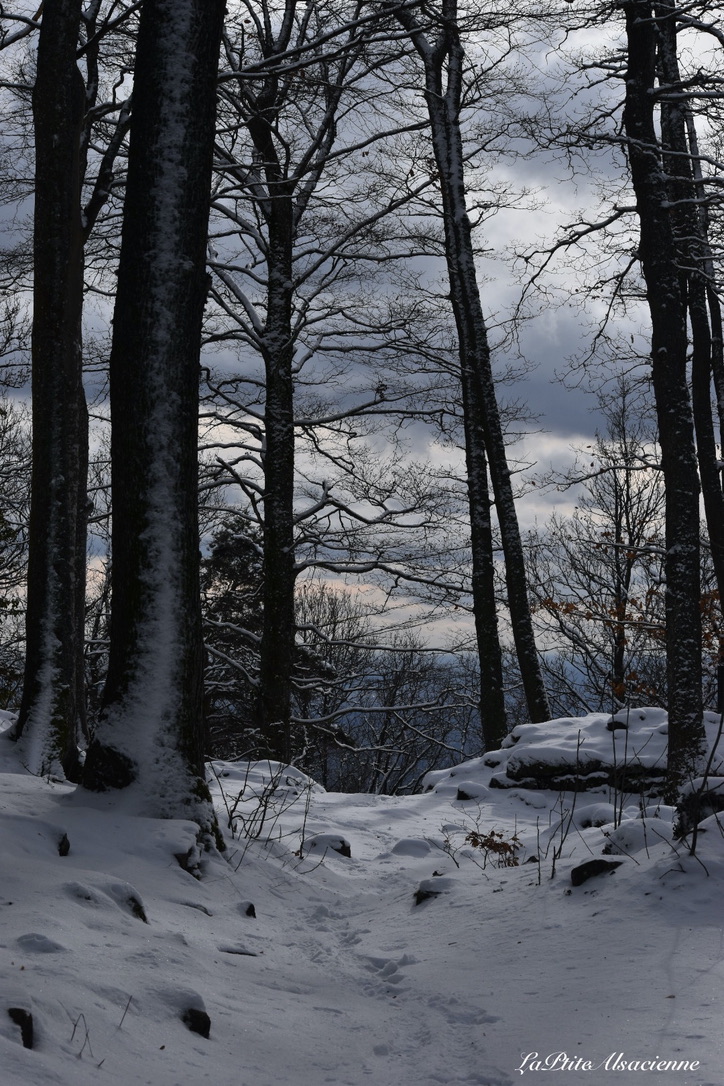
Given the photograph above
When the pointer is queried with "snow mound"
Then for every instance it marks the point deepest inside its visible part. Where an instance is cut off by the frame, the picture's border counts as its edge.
(626, 751)
(323, 843)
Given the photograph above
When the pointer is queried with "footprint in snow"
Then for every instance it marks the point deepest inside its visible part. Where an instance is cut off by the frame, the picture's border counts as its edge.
(455, 1011)
(387, 971)
(326, 919)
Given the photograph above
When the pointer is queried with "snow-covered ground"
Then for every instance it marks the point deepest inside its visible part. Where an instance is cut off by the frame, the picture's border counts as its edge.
(416, 960)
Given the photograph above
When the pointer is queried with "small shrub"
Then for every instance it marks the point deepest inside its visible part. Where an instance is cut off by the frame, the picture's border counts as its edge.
(495, 848)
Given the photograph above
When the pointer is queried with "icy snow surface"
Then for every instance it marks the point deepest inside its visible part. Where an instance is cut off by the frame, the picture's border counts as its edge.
(341, 978)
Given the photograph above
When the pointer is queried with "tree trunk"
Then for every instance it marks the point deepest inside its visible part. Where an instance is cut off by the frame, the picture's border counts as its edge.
(443, 63)
(278, 630)
(694, 254)
(276, 661)
(151, 731)
(52, 714)
(623, 566)
(691, 227)
(667, 307)
(491, 705)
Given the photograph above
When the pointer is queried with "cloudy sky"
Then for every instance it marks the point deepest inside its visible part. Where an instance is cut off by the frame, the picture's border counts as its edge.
(556, 332)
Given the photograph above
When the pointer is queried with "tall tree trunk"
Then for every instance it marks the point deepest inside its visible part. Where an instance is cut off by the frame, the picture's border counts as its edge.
(701, 393)
(491, 706)
(282, 201)
(151, 732)
(621, 588)
(692, 233)
(667, 307)
(694, 255)
(278, 631)
(443, 61)
(52, 714)
(277, 347)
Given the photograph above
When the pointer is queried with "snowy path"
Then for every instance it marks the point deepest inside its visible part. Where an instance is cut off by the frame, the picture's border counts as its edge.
(499, 967)
(341, 978)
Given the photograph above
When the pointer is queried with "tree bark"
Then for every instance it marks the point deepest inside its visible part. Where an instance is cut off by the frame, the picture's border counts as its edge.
(151, 731)
(52, 714)
(667, 307)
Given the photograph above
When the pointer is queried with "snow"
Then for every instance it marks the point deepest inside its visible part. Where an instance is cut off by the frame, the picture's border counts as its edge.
(336, 976)
(632, 738)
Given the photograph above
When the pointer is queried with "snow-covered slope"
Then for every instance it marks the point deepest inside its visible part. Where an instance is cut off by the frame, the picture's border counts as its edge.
(341, 977)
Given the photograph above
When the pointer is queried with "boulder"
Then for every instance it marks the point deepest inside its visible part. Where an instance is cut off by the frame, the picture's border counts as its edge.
(591, 868)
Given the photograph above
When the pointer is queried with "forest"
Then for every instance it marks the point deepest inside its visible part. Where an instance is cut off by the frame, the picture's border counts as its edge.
(275, 276)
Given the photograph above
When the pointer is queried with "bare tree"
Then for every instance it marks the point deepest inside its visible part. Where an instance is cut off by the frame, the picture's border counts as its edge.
(692, 202)
(415, 711)
(597, 575)
(289, 263)
(658, 248)
(665, 293)
(438, 41)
